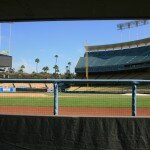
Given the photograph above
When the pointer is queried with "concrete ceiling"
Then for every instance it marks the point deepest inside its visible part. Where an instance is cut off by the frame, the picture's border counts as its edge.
(27, 10)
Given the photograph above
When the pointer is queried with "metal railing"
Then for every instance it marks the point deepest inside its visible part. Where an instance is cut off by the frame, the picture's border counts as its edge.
(56, 82)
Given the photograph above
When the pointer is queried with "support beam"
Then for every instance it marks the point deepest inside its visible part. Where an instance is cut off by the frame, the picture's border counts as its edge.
(55, 99)
(134, 113)
(86, 64)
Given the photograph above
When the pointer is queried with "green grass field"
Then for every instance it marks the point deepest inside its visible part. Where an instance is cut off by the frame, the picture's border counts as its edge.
(78, 100)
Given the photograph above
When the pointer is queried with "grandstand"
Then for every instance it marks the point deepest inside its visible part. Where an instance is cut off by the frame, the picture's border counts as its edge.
(99, 89)
(129, 60)
(30, 87)
(41, 86)
(6, 85)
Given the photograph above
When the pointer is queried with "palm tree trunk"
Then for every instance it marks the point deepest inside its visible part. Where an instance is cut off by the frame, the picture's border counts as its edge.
(36, 67)
(69, 68)
(56, 61)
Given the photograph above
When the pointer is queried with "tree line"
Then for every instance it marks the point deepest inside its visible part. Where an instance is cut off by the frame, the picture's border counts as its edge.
(20, 73)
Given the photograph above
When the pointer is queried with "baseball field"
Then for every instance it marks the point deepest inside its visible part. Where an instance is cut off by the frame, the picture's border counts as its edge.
(73, 104)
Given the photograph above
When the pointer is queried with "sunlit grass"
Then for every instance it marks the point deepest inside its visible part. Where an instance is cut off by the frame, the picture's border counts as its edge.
(78, 100)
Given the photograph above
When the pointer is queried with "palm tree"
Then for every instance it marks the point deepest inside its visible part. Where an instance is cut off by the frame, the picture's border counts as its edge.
(56, 56)
(22, 66)
(69, 64)
(37, 60)
(45, 69)
(56, 68)
(67, 69)
(21, 69)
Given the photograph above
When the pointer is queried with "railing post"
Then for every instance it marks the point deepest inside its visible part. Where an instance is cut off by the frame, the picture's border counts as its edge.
(55, 99)
(133, 99)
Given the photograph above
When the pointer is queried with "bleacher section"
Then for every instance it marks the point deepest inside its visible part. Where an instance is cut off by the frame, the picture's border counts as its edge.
(99, 89)
(49, 85)
(22, 85)
(108, 89)
(6, 85)
(38, 85)
(27, 85)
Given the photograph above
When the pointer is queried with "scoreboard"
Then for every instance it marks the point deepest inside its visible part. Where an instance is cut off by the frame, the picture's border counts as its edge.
(5, 61)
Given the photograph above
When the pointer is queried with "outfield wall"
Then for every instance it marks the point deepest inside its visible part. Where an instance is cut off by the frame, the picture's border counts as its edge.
(86, 133)
(9, 90)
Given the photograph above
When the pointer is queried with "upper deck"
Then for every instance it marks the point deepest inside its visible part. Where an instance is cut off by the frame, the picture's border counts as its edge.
(125, 45)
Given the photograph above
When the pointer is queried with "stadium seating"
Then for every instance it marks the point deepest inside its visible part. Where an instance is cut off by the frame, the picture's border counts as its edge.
(49, 85)
(6, 85)
(113, 89)
(21, 85)
(115, 60)
(38, 85)
(100, 89)
(27, 85)
(122, 75)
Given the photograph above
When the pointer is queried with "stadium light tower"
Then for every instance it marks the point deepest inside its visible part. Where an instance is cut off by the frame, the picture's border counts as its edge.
(10, 36)
(131, 24)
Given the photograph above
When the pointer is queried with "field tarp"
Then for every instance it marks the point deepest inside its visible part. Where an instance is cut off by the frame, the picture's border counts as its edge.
(84, 133)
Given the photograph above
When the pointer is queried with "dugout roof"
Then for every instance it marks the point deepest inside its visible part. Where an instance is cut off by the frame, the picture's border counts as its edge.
(27, 10)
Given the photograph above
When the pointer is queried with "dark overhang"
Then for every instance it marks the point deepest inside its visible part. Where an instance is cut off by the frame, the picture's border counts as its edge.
(31, 10)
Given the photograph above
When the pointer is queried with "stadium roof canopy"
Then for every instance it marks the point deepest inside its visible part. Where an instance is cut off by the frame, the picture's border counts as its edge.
(145, 41)
(115, 61)
(30, 10)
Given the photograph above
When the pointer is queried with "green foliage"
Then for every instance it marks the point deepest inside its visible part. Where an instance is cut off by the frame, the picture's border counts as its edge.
(45, 69)
(56, 56)
(56, 69)
(21, 70)
(22, 67)
(37, 60)
(34, 75)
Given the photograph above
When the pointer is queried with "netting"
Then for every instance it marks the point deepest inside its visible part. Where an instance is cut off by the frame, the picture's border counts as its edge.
(95, 100)
(143, 100)
(73, 99)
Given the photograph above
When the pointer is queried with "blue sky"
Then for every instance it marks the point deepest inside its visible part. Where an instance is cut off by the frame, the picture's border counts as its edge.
(44, 40)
